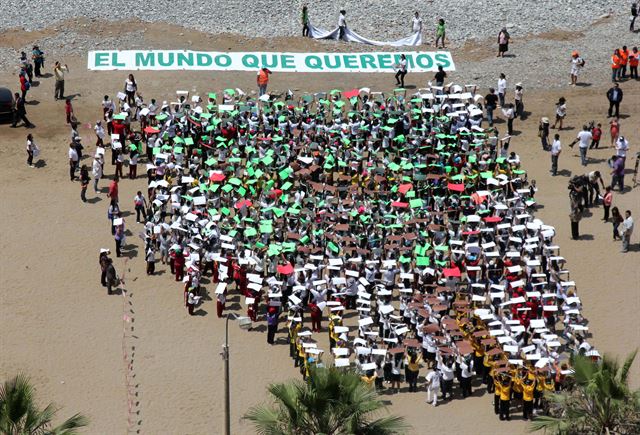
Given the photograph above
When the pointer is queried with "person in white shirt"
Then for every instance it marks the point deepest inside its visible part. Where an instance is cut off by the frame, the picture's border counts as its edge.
(130, 89)
(416, 23)
(561, 112)
(73, 161)
(32, 150)
(576, 66)
(556, 149)
(518, 100)
(401, 70)
(466, 374)
(342, 24)
(446, 368)
(97, 172)
(99, 129)
(627, 230)
(584, 139)
(433, 385)
(622, 146)
(502, 89)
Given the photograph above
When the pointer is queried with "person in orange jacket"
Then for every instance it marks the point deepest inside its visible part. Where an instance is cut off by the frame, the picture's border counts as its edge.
(634, 58)
(615, 65)
(624, 60)
(262, 79)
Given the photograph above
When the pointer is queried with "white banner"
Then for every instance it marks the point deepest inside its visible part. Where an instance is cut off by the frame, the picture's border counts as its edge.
(170, 60)
(351, 36)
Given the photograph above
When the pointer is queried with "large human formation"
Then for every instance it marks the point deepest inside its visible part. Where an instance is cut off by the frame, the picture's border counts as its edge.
(402, 210)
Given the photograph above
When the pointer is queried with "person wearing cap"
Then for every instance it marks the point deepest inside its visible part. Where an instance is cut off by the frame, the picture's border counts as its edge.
(614, 95)
(111, 277)
(103, 262)
(577, 63)
(543, 132)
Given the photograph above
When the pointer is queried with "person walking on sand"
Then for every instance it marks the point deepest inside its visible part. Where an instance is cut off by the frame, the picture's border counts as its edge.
(111, 277)
(502, 89)
(32, 150)
(584, 138)
(596, 133)
(614, 95)
(556, 149)
(402, 70)
(440, 32)
(503, 42)
(96, 170)
(73, 161)
(20, 112)
(433, 386)
(140, 204)
(614, 131)
(543, 132)
(607, 200)
(25, 84)
(68, 110)
(561, 112)
(58, 72)
(627, 230)
(84, 182)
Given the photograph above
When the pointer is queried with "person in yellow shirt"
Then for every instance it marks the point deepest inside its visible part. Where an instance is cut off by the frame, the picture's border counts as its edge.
(516, 388)
(528, 388)
(505, 396)
(497, 391)
(369, 378)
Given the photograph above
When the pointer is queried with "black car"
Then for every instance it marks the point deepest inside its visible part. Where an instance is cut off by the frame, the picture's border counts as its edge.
(6, 102)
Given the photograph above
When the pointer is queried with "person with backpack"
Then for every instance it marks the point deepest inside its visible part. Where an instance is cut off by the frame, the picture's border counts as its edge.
(577, 63)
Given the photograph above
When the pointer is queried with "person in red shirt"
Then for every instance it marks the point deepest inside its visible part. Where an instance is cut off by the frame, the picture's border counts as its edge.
(596, 134)
(113, 189)
(178, 264)
(24, 84)
(68, 110)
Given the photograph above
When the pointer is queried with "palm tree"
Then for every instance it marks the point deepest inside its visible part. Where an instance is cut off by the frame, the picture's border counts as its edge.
(19, 414)
(330, 402)
(600, 402)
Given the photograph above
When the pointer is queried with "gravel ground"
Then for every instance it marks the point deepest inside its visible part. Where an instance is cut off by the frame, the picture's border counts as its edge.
(371, 18)
(540, 61)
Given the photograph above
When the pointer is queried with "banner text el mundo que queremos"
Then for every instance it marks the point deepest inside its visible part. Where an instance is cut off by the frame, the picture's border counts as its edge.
(171, 60)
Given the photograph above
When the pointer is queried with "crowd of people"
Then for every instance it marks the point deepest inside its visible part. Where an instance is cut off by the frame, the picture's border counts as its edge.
(405, 211)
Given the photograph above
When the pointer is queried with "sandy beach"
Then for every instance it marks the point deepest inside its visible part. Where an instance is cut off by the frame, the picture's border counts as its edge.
(58, 325)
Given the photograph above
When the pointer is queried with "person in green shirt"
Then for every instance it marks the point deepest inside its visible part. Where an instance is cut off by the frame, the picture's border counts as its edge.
(440, 32)
(305, 21)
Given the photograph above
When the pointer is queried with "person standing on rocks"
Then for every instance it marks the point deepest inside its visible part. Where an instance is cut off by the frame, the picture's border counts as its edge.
(342, 24)
(503, 42)
(263, 80)
(616, 65)
(305, 22)
(58, 72)
(416, 23)
(577, 63)
(440, 32)
(634, 59)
